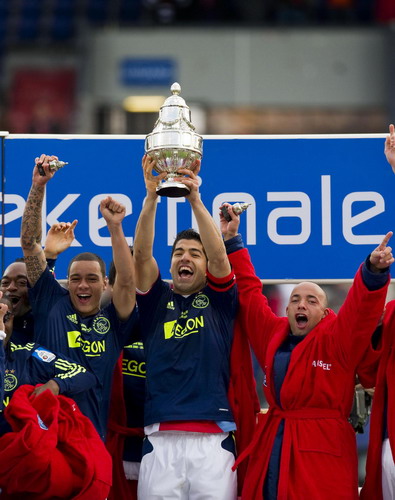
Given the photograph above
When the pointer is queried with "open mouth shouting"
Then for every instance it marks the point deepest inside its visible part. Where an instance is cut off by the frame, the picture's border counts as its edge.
(83, 298)
(15, 299)
(301, 320)
(16, 302)
(185, 273)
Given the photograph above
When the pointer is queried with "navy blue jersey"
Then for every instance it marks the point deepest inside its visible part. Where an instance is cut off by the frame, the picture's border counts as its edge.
(23, 329)
(94, 341)
(33, 364)
(187, 343)
(133, 371)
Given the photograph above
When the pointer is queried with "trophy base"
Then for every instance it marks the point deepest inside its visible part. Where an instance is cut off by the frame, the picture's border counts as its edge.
(173, 190)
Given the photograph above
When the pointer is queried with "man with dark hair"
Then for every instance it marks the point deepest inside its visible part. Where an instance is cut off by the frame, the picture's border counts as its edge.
(88, 257)
(71, 321)
(187, 333)
(186, 234)
(14, 285)
(14, 280)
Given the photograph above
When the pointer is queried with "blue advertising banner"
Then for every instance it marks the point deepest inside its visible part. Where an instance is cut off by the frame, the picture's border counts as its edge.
(319, 204)
(151, 72)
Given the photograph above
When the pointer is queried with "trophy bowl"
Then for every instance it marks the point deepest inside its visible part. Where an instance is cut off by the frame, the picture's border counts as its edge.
(173, 143)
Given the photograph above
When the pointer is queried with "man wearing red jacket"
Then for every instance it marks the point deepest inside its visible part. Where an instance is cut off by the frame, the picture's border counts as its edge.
(304, 447)
(380, 467)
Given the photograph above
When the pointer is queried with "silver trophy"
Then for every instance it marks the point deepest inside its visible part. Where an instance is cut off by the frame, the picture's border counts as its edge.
(238, 208)
(54, 166)
(173, 143)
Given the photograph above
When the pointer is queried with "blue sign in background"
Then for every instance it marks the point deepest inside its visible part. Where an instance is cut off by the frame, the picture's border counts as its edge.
(152, 72)
(324, 176)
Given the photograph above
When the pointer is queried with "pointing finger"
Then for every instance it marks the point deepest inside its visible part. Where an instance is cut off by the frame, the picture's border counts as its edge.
(386, 239)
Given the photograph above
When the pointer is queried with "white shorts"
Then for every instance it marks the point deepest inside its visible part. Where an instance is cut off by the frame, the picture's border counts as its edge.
(187, 466)
(131, 470)
(388, 471)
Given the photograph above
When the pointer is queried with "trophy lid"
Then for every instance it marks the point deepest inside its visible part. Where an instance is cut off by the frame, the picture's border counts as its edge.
(173, 130)
(174, 113)
(175, 99)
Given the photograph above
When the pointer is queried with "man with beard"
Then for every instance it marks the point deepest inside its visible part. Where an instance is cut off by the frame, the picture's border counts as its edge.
(187, 333)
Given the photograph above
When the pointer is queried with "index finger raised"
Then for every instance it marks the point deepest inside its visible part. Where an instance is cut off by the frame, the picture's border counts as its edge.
(385, 241)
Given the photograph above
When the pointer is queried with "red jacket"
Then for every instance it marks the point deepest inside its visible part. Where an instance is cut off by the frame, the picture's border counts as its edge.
(115, 440)
(242, 396)
(319, 459)
(52, 452)
(385, 389)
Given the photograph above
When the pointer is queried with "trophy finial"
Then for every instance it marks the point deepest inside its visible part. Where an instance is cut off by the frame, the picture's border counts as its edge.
(175, 88)
(174, 143)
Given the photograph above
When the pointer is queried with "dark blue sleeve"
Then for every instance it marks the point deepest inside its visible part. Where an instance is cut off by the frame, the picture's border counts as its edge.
(374, 281)
(51, 265)
(234, 244)
(71, 377)
(45, 293)
(125, 331)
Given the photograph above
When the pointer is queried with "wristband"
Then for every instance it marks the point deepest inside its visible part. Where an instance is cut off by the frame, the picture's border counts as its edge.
(2, 335)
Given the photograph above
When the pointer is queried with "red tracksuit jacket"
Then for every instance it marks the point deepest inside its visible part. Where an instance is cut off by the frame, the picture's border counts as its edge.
(384, 384)
(319, 458)
(53, 451)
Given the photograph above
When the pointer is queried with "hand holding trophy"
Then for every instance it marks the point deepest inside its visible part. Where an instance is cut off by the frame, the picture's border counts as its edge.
(173, 143)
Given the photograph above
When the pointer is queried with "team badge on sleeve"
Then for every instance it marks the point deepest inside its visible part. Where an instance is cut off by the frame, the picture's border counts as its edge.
(44, 355)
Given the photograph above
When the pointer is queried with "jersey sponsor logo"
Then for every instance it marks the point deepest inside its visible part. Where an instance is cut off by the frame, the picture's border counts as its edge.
(10, 381)
(73, 318)
(201, 301)
(89, 348)
(101, 325)
(133, 368)
(170, 305)
(44, 355)
(6, 402)
(320, 364)
(179, 331)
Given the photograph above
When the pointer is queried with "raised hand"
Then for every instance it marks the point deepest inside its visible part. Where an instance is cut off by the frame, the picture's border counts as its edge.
(231, 228)
(42, 165)
(112, 211)
(151, 180)
(382, 257)
(189, 177)
(389, 147)
(59, 238)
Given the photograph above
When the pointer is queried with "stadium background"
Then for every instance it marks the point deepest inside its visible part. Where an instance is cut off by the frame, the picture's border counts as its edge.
(246, 67)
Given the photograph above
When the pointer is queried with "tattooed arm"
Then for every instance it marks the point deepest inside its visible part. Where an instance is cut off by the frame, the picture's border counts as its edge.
(31, 220)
